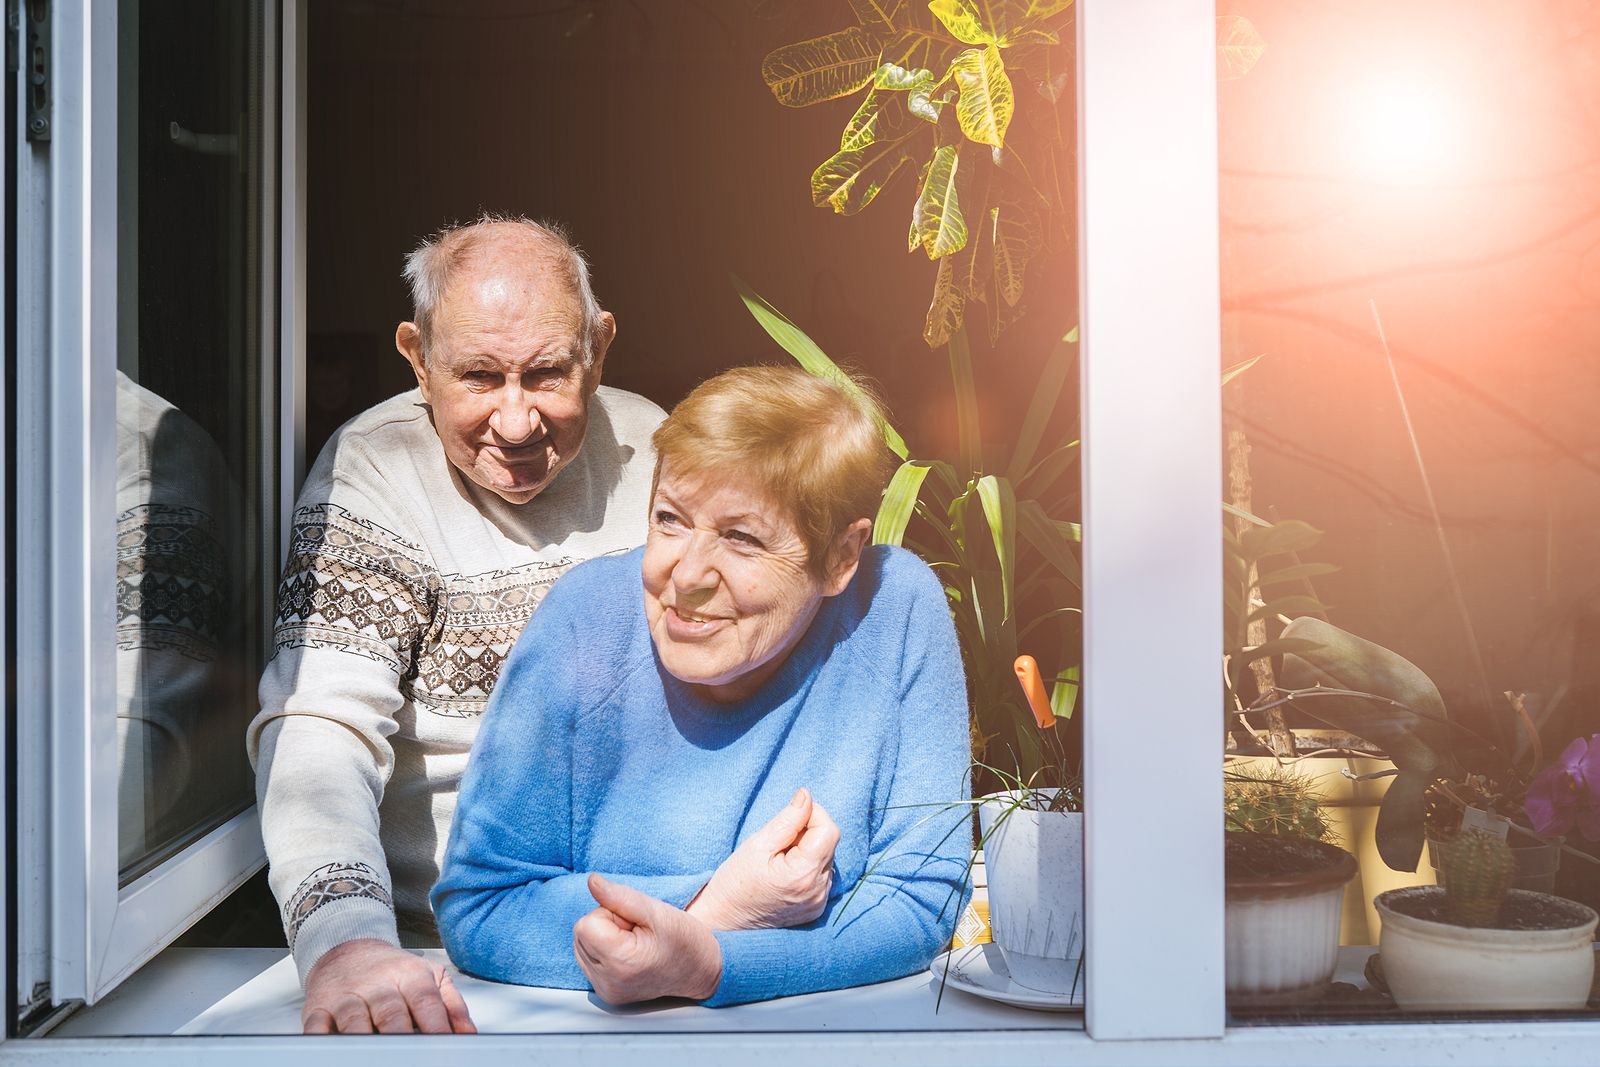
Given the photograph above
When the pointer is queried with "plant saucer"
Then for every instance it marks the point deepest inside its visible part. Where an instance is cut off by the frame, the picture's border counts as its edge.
(981, 971)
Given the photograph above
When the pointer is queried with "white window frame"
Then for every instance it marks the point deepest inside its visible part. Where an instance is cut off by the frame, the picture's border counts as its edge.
(100, 932)
(1151, 483)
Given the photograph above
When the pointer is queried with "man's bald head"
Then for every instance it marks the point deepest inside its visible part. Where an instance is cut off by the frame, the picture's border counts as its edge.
(543, 249)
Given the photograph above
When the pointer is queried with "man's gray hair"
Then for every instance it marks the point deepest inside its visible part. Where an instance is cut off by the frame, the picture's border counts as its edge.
(431, 267)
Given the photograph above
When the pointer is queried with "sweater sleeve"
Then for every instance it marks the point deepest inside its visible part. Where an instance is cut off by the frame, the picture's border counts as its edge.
(355, 601)
(904, 909)
(510, 890)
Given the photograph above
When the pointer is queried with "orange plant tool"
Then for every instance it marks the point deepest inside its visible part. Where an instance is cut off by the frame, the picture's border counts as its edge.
(1027, 669)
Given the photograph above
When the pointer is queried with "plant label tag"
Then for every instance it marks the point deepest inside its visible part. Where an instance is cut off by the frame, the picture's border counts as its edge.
(1478, 819)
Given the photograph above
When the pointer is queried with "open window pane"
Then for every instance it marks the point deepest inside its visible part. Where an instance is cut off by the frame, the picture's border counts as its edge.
(1411, 304)
(193, 518)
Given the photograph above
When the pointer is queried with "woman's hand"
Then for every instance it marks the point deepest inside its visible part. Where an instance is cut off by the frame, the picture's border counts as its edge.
(634, 947)
(779, 877)
(368, 986)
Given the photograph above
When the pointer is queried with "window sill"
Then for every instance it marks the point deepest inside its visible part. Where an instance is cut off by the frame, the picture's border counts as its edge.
(218, 992)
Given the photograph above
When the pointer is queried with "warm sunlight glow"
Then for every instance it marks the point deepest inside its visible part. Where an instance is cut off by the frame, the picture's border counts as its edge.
(1404, 130)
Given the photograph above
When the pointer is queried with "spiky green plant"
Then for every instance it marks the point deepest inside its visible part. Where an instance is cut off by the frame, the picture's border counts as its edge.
(1478, 868)
(1282, 804)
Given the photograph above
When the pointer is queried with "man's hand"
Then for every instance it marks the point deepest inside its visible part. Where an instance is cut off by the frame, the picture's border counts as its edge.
(779, 877)
(367, 986)
(634, 947)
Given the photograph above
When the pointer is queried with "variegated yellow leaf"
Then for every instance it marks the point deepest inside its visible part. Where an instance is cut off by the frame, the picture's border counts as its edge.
(926, 106)
(1238, 46)
(941, 227)
(1016, 239)
(986, 103)
(862, 128)
(849, 180)
(822, 68)
(974, 263)
(880, 16)
(964, 20)
(948, 309)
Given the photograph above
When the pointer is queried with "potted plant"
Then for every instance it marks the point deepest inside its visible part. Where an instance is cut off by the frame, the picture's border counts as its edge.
(1032, 839)
(1474, 944)
(1285, 883)
(1445, 774)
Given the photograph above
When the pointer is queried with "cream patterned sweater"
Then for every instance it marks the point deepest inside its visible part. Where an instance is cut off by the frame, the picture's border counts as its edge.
(405, 588)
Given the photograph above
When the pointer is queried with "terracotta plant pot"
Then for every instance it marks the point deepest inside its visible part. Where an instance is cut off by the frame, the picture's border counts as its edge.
(1034, 862)
(1433, 965)
(1284, 898)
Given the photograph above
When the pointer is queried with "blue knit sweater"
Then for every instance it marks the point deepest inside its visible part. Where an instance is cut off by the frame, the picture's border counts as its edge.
(593, 758)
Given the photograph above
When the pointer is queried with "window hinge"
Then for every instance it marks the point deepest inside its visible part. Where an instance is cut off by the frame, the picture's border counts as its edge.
(36, 67)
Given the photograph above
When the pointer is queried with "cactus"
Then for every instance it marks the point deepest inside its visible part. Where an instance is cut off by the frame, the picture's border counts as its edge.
(1283, 805)
(1477, 869)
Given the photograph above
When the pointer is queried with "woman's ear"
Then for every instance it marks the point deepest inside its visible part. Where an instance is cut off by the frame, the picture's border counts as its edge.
(845, 556)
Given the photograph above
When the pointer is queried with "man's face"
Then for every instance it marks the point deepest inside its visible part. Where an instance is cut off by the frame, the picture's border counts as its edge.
(505, 375)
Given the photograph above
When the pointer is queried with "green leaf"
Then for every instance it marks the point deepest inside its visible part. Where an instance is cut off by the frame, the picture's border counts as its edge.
(1288, 605)
(898, 79)
(1297, 573)
(986, 103)
(1037, 482)
(1415, 735)
(1239, 46)
(969, 434)
(1290, 535)
(941, 228)
(822, 68)
(1000, 510)
(1239, 368)
(948, 310)
(899, 501)
(1052, 379)
(851, 179)
(1240, 513)
(1043, 534)
(806, 352)
(1064, 694)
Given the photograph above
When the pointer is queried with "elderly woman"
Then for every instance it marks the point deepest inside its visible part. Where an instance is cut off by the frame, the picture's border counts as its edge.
(729, 780)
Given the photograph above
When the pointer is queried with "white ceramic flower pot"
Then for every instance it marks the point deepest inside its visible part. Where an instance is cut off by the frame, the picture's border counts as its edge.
(1438, 966)
(1035, 869)
(1282, 929)
(1282, 945)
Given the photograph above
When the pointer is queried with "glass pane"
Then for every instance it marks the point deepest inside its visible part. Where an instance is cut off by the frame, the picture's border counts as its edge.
(191, 486)
(1411, 306)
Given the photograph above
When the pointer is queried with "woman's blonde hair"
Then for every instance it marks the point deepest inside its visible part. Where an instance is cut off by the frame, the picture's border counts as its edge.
(810, 444)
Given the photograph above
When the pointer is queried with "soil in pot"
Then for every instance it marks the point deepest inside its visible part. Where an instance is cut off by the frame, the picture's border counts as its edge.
(1265, 862)
(1521, 911)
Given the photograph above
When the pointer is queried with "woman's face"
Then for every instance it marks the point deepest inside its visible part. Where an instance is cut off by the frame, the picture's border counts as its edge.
(727, 590)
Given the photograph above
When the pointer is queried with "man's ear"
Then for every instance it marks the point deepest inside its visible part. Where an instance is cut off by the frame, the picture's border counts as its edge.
(845, 556)
(408, 340)
(605, 332)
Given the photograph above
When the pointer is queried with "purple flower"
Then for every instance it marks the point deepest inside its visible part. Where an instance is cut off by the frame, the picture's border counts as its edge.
(1567, 793)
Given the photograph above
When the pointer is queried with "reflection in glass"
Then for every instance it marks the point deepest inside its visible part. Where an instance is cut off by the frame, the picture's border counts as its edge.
(1411, 307)
(191, 436)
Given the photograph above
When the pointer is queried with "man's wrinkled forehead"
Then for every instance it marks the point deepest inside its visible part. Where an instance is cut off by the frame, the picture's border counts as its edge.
(507, 289)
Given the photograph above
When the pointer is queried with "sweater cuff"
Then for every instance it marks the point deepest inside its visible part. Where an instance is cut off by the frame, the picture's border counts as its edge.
(336, 922)
(755, 966)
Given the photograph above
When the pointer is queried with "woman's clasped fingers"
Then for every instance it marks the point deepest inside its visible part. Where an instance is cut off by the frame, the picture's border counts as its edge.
(816, 845)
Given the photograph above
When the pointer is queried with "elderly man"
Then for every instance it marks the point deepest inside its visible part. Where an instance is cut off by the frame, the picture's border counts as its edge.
(426, 534)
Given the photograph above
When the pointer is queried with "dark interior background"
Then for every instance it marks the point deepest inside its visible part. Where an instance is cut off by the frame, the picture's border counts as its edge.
(647, 129)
